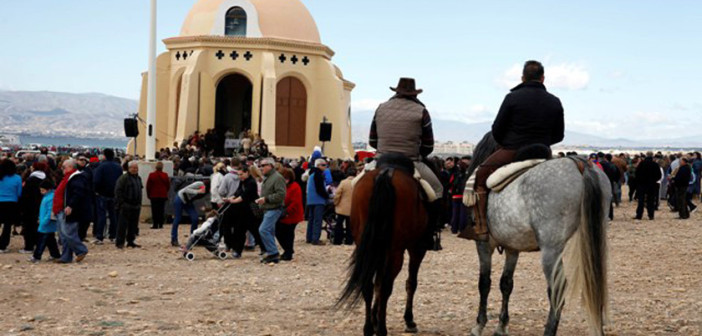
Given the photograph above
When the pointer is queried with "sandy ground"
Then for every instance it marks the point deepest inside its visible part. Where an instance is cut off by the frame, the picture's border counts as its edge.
(655, 286)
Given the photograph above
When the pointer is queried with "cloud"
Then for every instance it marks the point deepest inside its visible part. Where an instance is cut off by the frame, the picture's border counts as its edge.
(473, 114)
(567, 76)
(617, 74)
(365, 104)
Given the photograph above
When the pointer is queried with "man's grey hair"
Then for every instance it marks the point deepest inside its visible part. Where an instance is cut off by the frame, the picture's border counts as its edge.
(70, 162)
(133, 163)
(649, 154)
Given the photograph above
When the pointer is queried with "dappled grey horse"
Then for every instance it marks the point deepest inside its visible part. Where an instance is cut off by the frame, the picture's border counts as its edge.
(555, 209)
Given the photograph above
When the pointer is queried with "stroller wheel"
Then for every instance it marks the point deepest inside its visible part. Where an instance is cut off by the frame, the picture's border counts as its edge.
(222, 255)
(190, 256)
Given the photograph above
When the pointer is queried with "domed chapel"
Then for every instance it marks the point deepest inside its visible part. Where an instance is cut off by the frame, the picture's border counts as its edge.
(251, 64)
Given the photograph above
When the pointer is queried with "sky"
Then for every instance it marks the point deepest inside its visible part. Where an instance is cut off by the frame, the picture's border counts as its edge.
(622, 69)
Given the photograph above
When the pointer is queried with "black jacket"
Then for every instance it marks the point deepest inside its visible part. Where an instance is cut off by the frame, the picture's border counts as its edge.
(683, 177)
(529, 115)
(128, 190)
(648, 172)
(78, 198)
(248, 191)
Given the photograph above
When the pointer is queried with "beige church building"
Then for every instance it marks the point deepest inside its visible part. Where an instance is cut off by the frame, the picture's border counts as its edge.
(251, 64)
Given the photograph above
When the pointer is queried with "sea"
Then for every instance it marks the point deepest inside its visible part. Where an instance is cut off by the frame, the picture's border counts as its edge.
(69, 141)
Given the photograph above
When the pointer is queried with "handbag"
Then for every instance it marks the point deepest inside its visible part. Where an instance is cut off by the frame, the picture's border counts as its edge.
(256, 210)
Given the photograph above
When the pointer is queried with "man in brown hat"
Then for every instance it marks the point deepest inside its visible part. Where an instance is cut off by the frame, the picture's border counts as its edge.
(403, 125)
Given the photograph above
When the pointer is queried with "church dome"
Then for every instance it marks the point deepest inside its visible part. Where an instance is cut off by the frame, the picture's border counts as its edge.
(283, 19)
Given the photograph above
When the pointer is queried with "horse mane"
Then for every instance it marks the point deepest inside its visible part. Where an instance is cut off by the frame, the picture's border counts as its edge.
(482, 151)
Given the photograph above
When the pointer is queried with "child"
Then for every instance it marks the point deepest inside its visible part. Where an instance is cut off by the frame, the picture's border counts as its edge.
(47, 224)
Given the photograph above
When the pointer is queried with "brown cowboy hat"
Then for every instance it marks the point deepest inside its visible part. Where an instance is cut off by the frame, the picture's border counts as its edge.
(406, 86)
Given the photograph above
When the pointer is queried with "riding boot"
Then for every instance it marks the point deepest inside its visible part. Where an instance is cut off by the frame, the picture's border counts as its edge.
(480, 231)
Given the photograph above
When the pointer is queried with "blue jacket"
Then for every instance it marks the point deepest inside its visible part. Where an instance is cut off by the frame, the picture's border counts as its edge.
(11, 188)
(316, 189)
(46, 224)
(105, 178)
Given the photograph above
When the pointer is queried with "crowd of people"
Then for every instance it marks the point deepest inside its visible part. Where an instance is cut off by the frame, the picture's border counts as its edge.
(258, 200)
(652, 178)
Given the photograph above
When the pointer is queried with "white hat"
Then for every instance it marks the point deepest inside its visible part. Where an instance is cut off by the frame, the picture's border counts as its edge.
(320, 162)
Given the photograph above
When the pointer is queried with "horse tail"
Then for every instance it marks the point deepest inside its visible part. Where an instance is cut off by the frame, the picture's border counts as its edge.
(586, 255)
(370, 256)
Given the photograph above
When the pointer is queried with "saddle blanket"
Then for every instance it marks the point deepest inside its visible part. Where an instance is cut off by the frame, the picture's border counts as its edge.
(502, 177)
(431, 195)
(499, 180)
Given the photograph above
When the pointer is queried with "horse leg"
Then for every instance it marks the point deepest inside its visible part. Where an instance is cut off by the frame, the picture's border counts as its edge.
(553, 269)
(395, 261)
(506, 286)
(416, 258)
(485, 252)
(368, 329)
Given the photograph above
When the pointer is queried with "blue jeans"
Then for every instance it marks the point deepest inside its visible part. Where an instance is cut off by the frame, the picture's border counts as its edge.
(178, 207)
(314, 223)
(68, 231)
(105, 209)
(267, 230)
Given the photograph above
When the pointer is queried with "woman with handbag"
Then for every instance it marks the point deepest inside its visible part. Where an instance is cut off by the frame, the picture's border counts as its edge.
(245, 212)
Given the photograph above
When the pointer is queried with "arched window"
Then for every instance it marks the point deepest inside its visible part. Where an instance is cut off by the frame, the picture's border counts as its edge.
(235, 23)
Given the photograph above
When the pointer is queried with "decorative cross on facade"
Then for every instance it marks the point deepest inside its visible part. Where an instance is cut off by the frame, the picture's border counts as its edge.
(248, 56)
(234, 55)
(282, 58)
(178, 56)
(219, 54)
(306, 60)
(294, 59)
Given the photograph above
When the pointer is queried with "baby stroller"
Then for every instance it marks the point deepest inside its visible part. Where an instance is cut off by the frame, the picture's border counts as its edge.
(207, 236)
(329, 220)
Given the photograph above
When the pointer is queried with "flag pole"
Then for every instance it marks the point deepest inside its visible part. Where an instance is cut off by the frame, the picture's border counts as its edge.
(150, 153)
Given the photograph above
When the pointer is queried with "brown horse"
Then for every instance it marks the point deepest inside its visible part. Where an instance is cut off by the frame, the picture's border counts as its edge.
(388, 217)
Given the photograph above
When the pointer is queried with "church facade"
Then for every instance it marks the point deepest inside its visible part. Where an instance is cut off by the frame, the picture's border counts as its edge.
(254, 65)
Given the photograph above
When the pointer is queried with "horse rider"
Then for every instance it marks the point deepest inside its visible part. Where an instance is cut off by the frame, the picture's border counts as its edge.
(529, 115)
(403, 125)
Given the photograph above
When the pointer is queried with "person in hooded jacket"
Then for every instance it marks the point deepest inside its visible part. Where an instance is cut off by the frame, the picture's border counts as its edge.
(30, 201)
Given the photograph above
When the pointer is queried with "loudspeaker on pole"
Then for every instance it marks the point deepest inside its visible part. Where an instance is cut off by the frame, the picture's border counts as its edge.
(325, 132)
(131, 129)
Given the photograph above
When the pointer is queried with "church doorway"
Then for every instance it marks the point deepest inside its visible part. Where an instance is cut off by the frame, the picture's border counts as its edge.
(290, 113)
(233, 107)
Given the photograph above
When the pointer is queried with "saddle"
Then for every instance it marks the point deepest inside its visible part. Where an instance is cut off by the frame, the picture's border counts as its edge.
(428, 190)
(525, 159)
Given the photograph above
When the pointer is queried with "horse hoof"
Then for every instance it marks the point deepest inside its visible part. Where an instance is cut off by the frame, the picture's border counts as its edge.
(477, 331)
(411, 330)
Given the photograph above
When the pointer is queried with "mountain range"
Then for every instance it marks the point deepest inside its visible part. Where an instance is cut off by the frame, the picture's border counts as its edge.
(95, 115)
(457, 131)
(43, 113)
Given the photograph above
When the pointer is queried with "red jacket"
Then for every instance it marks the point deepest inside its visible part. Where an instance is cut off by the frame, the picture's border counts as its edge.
(60, 194)
(157, 185)
(295, 212)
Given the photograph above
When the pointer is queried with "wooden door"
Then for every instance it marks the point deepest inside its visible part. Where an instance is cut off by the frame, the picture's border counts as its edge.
(291, 113)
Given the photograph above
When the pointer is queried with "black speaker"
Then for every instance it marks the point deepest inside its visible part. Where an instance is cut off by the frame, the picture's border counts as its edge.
(325, 132)
(131, 129)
